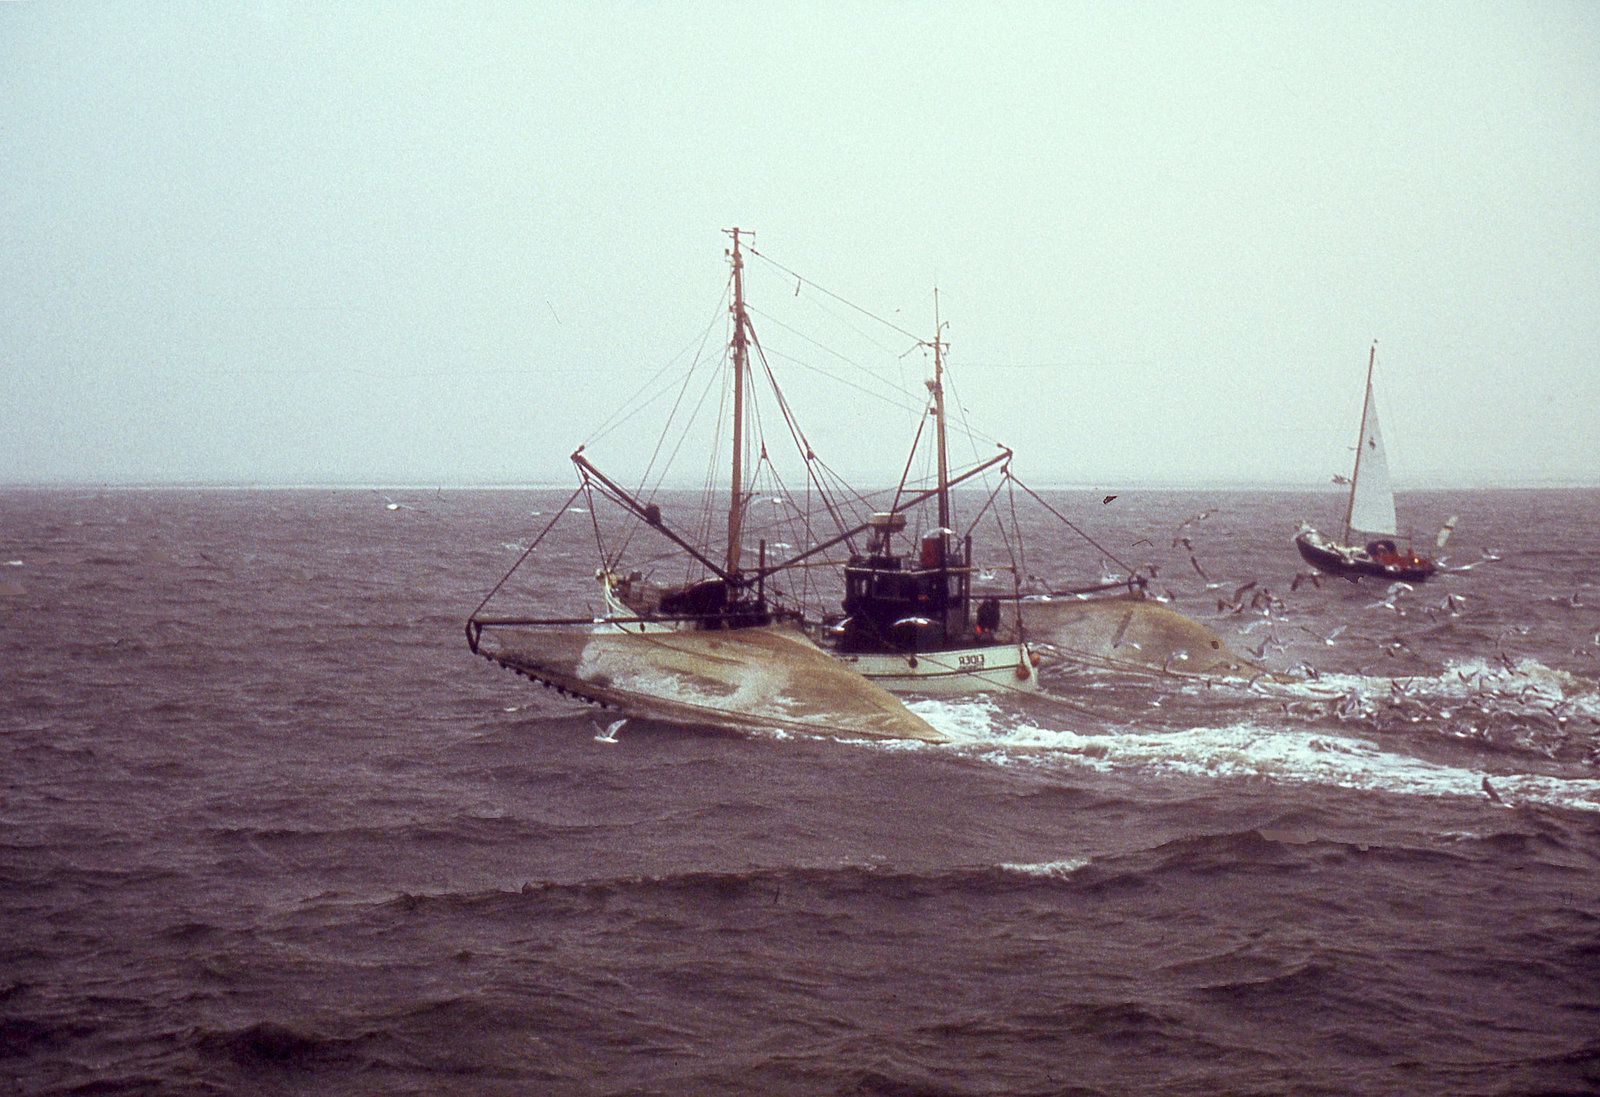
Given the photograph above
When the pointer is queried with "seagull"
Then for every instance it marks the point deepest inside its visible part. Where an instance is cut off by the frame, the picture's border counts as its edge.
(610, 734)
(1396, 644)
(1107, 499)
(1328, 639)
(1486, 558)
(1395, 590)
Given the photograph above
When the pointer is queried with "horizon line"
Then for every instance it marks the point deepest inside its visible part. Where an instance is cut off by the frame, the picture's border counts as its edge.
(1126, 484)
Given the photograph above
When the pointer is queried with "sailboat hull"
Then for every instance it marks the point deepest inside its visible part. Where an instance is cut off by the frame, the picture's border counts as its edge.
(1353, 562)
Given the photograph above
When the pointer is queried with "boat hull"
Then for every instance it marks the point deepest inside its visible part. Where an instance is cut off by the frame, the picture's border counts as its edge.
(1354, 562)
(986, 668)
(993, 668)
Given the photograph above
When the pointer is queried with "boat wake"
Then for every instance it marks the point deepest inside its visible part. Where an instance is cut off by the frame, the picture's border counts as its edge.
(1534, 731)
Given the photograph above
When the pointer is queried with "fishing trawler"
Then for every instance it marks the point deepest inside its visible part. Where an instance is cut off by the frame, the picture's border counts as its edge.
(712, 650)
(1369, 510)
(789, 599)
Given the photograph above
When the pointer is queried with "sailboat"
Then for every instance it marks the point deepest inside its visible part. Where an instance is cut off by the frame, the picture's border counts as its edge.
(1370, 510)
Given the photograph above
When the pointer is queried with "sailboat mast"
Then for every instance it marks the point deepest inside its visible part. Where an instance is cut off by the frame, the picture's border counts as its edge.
(740, 362)
(1361, 444)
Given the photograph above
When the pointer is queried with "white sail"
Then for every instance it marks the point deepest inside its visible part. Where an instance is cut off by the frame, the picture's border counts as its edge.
(1372, 492)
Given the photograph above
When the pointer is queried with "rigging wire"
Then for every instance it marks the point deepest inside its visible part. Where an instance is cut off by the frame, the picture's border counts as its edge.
(823, 290)
(896, 397)
(672, 414)
(529, 550)
(819, 344)
(644, 490)
(1020, 562)
(922, 421)
(641, 398)
(796, 432)
(1069, 524)
(599, 539)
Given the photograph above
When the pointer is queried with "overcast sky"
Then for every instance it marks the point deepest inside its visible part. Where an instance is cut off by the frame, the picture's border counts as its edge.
(432, 243)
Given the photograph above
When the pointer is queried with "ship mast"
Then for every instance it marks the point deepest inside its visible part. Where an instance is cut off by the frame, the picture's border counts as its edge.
(1361, 443)
(740, 364)
(938, 416)
(944, 474)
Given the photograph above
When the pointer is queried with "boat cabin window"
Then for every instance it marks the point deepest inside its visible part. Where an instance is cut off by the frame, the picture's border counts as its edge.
(904, 588)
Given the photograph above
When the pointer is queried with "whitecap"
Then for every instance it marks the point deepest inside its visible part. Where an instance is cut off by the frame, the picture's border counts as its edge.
(1052, 870)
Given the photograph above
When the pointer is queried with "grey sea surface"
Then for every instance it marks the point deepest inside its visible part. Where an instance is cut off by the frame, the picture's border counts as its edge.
(267, 826)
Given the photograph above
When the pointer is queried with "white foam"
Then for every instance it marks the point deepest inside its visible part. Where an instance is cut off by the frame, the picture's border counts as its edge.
(970, 719)
(1244, 750)
(1052, 870)
(1529, 679)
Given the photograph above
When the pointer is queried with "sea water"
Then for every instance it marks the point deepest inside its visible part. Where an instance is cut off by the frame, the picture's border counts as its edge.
(268, 827)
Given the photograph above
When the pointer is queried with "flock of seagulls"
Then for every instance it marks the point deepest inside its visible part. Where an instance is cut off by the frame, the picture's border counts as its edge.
(1498, 696)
